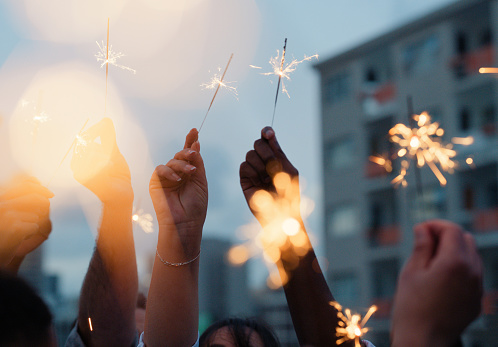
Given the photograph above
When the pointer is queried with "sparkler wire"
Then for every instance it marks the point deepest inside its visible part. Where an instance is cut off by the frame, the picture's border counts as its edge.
(279, 80)
(67, 153)
(106, 67)
(216, 92)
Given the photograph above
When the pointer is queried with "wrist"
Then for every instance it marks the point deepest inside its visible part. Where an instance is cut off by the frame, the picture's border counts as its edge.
(181, 242)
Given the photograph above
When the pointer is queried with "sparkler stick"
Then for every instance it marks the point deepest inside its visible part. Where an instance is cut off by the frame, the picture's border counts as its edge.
(106, 67)
(418, 178)
(68, 151)
(488, 70)
(220, 83)
(279, 80)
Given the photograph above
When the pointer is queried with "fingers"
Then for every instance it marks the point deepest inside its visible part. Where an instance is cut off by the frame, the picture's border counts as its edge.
(248, 176)
(107, 133)
(424, 247)
(191, 138)
(164, 172)
(31, 203)
(24, 186)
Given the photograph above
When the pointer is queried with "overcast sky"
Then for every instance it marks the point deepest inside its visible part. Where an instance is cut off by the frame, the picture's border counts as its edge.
(174, 46)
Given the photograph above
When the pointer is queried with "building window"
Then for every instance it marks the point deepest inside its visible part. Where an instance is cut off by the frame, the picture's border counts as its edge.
(343, 221)
(341, 154)
(337, 87)
(421, 55)
(345, 288)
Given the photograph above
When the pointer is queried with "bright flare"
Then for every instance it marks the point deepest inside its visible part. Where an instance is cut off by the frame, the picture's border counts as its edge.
(143, 220)
(424, 145)
(282, 237)
(351, 327)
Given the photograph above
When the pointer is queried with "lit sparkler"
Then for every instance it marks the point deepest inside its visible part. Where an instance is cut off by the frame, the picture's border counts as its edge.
(144, 220)
(282, 237)
(218, 82)
(282, 71)
(423, 144)
(90, 323)
(351, 327)
(79, 141)
(107, 56)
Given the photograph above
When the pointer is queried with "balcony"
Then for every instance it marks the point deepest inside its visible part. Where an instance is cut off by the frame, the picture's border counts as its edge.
(490, 302)
(387, 235)
(486, 220)
(469, 63)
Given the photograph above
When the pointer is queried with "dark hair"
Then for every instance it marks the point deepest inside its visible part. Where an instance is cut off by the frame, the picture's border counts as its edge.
(25, 319)
(238, 329)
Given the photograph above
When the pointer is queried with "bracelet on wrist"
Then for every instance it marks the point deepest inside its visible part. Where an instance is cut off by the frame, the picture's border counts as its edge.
(165, 262)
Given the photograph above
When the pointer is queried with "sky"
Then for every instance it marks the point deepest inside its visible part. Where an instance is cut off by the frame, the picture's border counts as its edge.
(47, 57)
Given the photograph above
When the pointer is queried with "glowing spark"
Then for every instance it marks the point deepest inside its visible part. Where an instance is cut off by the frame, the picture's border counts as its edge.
(143, 220)
(217, 82)
(423, 144)
(78, 139)
(107, 56)
(282, 235)
(488, 70)
(283, 71)
(382, 161)
(90, 323)
(351, 327)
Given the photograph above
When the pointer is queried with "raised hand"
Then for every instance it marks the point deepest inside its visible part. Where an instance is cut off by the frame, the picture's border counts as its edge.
(440, 288)
(179, 191)
(262, 164)
(100, 166)
(24, 219)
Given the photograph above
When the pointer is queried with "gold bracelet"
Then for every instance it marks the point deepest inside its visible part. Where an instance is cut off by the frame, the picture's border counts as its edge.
(177, 264)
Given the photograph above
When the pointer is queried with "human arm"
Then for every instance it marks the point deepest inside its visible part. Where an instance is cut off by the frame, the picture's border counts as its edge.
(24, 220)
(180, 197)
(440, 287)
(308, 295)
(109, 291)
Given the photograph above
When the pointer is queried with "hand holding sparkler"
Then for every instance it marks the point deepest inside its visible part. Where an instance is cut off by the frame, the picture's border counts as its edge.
(106, 315)
(24, 220)
(264, 174)
(440, 288)
(179, 193)
(100, 166)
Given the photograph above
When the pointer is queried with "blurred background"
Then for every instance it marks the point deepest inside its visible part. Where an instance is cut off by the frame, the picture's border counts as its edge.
(372, 55)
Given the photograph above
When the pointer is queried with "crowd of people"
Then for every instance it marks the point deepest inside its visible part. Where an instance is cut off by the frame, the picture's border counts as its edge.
(438, 293)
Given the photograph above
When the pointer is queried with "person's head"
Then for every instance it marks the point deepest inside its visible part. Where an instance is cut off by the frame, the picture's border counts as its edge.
(25, 318)
(238, 332)
(140, 312)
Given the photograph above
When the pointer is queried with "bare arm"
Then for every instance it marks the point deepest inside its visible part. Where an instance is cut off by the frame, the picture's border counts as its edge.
(108, 297)
(179, 193)
(306, 290)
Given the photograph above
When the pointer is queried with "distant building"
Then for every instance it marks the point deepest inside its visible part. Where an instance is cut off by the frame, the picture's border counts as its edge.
(223, 289)
(364, 91)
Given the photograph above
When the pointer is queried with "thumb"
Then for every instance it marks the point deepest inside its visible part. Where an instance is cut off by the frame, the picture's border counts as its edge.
(423, 248)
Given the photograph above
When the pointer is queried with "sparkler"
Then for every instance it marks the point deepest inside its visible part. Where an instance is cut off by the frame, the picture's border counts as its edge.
(351, 327)
(90, 323)
(282, 71)
(282, 237)
(144, 220)
(107, 56)
(78, 141)
(217, 82)
(423, 144)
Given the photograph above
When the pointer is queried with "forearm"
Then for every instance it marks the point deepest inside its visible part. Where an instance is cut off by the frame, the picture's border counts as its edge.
(172, 315)
(308, 297)
(108, 295)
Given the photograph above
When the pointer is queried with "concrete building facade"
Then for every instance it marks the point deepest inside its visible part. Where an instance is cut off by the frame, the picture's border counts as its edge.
(435, 60)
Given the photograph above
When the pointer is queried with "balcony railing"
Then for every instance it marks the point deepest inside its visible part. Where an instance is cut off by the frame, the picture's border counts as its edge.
(486, 220)
(469, 63)
(387, 235)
